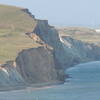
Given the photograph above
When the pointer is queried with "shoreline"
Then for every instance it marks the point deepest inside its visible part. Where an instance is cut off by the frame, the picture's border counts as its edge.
(32, 87)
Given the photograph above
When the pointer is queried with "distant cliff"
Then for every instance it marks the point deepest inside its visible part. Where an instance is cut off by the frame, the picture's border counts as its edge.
(84, 34)
(79, 52)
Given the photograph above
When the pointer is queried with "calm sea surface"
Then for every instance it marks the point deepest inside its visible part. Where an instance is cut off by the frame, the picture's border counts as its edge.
(83, 84)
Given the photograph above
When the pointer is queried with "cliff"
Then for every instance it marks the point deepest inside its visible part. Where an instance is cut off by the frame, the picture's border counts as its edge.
(66, 50)
(36, 65)
(50, 36)
(10, 78)
(32, 66)
(35, 61)
(79, 52)
(41, 54)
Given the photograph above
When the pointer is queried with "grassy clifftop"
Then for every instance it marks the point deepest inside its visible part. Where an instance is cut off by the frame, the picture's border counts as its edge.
(14, 19)
(81, 33)
(14, 22)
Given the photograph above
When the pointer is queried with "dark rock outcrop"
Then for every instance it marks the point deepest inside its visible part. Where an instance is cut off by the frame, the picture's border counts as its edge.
(37, 65)
(50, 36)
(28, 12)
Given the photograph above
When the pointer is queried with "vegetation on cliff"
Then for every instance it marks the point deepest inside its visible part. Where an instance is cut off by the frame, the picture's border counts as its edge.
(14, 23)
(81, 33)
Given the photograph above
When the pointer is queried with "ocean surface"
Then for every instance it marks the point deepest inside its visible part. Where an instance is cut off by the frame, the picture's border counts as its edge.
(83, 84)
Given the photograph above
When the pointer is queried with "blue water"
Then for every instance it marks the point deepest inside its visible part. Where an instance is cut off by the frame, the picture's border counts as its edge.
(83, 84)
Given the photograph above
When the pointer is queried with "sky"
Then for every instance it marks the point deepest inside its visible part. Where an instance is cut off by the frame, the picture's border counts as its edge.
(63, 12)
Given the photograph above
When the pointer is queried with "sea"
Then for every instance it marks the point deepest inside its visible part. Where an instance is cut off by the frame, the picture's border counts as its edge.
(83, 84)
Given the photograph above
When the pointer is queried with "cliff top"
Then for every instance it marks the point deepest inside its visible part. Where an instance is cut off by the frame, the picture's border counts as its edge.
(81, 33)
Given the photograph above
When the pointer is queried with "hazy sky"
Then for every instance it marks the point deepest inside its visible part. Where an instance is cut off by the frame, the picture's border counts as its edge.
(63, 12)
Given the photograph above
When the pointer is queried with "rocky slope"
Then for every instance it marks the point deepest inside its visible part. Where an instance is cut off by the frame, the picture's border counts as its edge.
(10, 78)
(67, 51)
(32, 66)
(79, 52)
(50, 36)
(36, 65)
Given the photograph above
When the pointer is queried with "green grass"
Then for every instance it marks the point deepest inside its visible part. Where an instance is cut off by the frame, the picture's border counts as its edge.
(81, 33)
(14, 19)
(14, 23)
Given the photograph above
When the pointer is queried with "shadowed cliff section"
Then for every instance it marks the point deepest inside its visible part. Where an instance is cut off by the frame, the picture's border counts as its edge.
(36, 65)
(14, 23)
(32, 66)
(50, 36)
(66, 50)
(79, 52)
